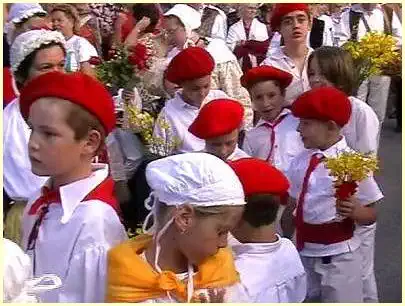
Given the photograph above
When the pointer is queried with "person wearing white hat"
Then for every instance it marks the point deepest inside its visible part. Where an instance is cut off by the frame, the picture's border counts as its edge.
(182, 24)
(33, 53)
(22, 17)
(196, 200)
(18, 284)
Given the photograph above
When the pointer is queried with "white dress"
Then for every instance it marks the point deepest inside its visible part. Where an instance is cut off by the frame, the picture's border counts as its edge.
(19, 181)
(79, 50)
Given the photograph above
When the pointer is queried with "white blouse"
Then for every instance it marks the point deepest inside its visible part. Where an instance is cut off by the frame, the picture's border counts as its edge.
(79, 50)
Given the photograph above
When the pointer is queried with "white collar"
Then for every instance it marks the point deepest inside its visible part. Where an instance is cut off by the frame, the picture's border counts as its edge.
(257, 248)
(180, 102)
(335, 150)
(72, 195)
(278, 53)
(284, 111)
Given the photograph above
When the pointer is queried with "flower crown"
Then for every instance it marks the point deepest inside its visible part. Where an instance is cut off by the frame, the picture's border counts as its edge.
(28, 42)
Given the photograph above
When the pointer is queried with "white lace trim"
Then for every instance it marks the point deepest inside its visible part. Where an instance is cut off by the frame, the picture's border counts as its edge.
(27, 14)
(28, 42)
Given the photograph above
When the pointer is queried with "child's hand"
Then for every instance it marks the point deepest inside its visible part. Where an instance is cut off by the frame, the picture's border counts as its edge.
(214, 296)
(348, 208)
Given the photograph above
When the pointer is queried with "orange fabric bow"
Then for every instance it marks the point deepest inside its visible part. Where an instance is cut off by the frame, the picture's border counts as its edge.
(132, 279)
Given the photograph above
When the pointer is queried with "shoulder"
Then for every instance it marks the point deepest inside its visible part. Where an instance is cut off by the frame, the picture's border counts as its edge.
(258, 23)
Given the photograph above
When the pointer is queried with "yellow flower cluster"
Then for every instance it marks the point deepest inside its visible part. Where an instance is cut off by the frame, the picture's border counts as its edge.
(351, 166)
(378, 50)
(144, 123)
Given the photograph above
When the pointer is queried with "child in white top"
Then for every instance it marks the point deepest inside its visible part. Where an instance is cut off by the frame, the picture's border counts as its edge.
(327, 244)
(270, 266)
(70, 224)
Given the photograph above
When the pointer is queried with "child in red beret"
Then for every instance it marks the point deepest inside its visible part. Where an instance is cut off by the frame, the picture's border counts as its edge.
(324, 225)
(274, 138)
(71, 223)
(191, 69)
(219, 123)
(270, 267)
(293, 22)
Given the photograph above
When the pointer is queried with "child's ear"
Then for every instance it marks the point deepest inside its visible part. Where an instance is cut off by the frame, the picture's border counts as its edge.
(184, 218)
(93, 142)
(333, 126)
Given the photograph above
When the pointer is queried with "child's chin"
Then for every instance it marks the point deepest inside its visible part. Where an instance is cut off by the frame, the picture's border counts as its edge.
(39, 172)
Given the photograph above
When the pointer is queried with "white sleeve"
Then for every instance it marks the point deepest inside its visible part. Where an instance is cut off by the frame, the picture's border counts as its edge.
(342, 29)
(367, 127)
(368, 191)
(397, 29)
(232, 37)
(327, 34)
(291, 174)
(86, 278)
(86, 50)
(246, 146)
(219, 28)
(158, 131)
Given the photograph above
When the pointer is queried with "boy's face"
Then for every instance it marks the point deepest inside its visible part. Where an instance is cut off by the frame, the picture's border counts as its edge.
(223, 146)
(267, 99)
(195, 91)
(52, 148)
(314, 133)
(294, 27)
(315, 76)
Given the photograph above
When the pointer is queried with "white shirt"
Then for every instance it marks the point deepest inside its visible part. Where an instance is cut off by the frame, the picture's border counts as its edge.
(237, 33)
(271, 272)
(19, 181)
(320, 202)
(220, 27)
(375, 20)
(361, 132)
(79, 50)
(287, 145)
(73, 241)
(300, 82)
(328, 31)
(179, 116)
(237, 154)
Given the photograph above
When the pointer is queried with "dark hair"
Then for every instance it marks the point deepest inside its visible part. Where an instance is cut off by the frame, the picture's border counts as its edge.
(261, 209)
(25, 66)
(151, 11)
(71, 12)
(336, 65)
(265, 79)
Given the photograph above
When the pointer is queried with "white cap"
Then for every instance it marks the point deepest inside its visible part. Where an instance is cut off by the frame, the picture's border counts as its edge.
(18, 284)
(28, 42)
(20, 11)
(199, 179)
(189, 17)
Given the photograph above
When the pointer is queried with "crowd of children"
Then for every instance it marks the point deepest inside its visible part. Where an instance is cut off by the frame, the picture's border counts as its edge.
(243, 210)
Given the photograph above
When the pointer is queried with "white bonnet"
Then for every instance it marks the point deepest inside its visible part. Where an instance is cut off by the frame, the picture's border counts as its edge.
(190, 18)
(28, 42)
(199, 179)
(20, 11)
(18, 284)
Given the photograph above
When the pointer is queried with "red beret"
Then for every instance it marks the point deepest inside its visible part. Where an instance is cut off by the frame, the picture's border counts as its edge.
(78, 88)
(217, 118)
(323, 103)
(190, 64)
(259, 177)
(282, 9)
(258, 74)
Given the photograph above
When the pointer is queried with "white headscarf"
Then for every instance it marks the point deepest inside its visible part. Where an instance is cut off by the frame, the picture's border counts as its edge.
(18, 284)
(189, 17)
(198, 179)
(19, 12)
(28, 42)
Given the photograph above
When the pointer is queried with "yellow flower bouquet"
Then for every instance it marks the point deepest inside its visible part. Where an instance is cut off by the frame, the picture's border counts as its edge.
(348, 169)
(143, 123)
(373, 54)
